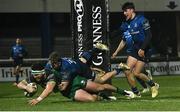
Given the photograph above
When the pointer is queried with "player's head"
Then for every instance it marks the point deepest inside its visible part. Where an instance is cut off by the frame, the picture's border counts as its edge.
(55, 60)
(128, 10)
(37, 70)
(18, 41)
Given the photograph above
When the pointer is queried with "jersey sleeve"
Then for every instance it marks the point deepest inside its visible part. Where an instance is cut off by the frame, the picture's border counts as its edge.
(51, 78)
(148, 34)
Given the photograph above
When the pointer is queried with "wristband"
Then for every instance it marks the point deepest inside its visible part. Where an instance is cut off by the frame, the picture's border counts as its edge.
(39, 98)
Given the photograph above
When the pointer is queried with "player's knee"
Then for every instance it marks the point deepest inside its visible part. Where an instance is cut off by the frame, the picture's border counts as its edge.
(127, 72)
(87, 99)
(100, 88)
(136, 74)
(102, 80)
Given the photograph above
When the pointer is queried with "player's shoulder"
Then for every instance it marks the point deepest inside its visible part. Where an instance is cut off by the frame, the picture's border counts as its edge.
(65, 59)
(142, 20)
(48, 68)
(141, 17)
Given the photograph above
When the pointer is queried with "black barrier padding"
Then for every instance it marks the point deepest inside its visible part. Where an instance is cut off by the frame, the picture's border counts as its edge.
(90, 25)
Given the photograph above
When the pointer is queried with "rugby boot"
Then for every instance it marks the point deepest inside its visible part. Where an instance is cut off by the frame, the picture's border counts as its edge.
(123, 66)
(145, 90)
(154, 90)
(101, 46)
(106, 97)
(129, 94)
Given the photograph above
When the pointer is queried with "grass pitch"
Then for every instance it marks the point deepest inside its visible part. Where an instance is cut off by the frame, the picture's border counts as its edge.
(12, 99)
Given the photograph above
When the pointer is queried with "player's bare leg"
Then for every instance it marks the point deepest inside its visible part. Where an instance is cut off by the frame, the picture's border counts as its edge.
(137, 72)
(131, 61)
(16, 71)
(83, 96)
(96, 87)
(102, 76)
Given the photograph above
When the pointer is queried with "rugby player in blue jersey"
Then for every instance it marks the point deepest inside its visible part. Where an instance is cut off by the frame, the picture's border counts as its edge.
(137, 37)
(18, 52)
(73, 78)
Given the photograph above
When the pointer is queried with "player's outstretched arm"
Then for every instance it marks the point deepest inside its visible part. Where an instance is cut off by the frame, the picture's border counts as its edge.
(119, 48)
(47, 91)
(24, 86)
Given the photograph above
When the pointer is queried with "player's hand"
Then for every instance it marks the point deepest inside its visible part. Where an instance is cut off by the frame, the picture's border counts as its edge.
(33, 102)
(141, 53)
(113, 55)
(30, 89)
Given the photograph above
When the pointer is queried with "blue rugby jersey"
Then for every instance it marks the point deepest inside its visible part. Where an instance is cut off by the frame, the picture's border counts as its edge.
(136, 28)
(18, 52)
(69, 69)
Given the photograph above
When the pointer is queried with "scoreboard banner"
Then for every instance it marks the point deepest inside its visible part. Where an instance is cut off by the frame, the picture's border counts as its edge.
(90, 24)
(7, 75)
(6, 68)
(159, 68)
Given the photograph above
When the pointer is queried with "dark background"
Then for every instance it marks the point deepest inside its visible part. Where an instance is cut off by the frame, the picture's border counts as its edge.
(28, 26)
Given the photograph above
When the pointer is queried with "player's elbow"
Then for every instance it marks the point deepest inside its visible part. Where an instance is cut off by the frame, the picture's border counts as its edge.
(49, 90)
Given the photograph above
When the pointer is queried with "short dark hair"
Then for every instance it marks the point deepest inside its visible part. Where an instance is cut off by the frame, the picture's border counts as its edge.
(54, 57)
(37, 66)
(128, 5)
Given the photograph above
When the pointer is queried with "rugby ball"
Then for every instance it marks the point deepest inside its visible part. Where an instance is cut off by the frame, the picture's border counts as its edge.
(28, 94)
